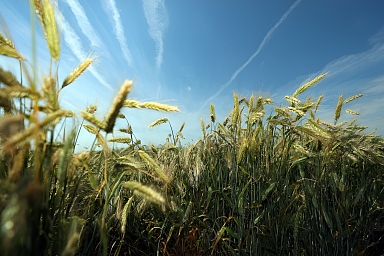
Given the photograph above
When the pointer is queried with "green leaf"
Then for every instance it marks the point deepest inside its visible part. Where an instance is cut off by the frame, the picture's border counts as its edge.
(258, 218)
(358, 196)
(244, 171)
(228, 200)
(268, 190)
(209, 196)
(64, 157)
(242, 193)
(327, 218)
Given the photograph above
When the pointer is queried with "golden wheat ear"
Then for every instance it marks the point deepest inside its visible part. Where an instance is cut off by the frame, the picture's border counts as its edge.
(159, 122)
(8, 78)
(77, 72)
(117, 104)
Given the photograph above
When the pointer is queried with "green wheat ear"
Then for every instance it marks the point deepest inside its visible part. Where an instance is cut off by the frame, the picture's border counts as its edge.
(308, 85)
(338, 108)
(145, 192)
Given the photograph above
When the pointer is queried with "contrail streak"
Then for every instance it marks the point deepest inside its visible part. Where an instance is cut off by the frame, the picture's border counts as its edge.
(84, 23)
(109, 7)
(73, 41)
(265, 40)
(157, 19)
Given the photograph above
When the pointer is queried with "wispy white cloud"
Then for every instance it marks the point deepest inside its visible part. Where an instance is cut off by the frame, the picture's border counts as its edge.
(189, 88)
(157, 19)
(356, 61)
(74, 43)
(375, 86)
(84, 23)
(378, 37)
(110, 9)
(265, 40)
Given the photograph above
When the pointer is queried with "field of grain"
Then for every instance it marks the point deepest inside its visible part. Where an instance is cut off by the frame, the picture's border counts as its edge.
(276, 182)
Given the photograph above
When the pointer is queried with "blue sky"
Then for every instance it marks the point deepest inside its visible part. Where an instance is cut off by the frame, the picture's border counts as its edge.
(193, 53)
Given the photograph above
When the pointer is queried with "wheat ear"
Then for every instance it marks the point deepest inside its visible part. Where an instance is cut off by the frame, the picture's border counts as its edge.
(338, 108)
(7, 48)
(159, 107)
(117, 104)
(40, 12)
(351, 112)
(77, 72)
(8, 78)
(292, 100)
(306, 86)
(93, 120)
(50, 31)
(150, 105)
(154, 165)
(145, 192)
(124, 215)
(159, 122)
(213, 115)
(26, 135)
(120, 140)
(352, 98)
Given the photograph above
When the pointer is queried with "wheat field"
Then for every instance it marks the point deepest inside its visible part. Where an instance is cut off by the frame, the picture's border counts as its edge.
(278, 182)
